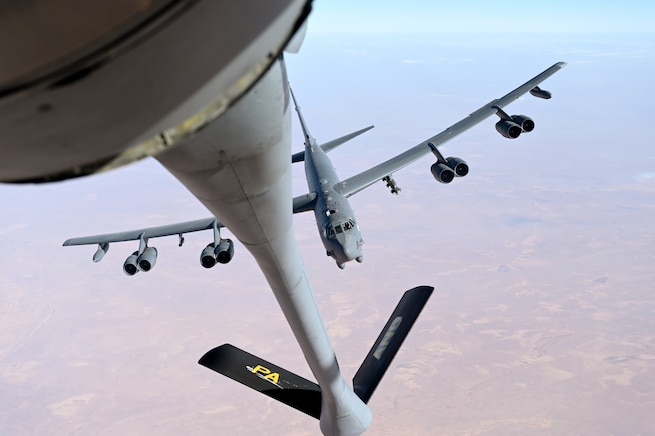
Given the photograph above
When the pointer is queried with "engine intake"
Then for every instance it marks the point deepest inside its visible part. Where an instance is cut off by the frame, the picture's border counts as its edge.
(459, 166)
(213, 254)
(207, 257)
(524, 122)
(509, 129)
(147, 259)
(130, 266)
(225, 251)
(442, 173)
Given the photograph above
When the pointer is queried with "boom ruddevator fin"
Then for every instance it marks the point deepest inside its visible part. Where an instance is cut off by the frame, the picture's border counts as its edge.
(386, 346)
(265, 377)
(305, 395)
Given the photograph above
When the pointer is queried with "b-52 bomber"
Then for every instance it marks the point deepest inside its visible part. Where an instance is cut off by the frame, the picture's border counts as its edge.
(328, 195)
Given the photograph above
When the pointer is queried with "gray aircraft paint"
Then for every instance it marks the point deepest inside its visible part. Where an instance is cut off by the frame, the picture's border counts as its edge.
(335, 218)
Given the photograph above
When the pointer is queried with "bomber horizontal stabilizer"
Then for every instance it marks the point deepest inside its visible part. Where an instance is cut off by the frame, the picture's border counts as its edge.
(265, 377)
(330, 145)
(391, 338)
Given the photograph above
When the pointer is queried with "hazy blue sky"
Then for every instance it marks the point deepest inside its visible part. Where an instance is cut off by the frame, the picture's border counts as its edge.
(543, 256)
(370, 16)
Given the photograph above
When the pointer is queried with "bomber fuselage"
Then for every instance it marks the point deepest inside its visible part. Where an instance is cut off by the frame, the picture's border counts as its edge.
(335, 219)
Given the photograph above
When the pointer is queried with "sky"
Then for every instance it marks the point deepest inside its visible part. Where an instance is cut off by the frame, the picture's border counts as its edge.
(503, 16)
(542, 257)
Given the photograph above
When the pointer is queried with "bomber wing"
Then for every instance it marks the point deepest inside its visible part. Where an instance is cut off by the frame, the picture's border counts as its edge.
(364, 179)
(219, 251)
(301, 203)
(147, 233)
(144, 259)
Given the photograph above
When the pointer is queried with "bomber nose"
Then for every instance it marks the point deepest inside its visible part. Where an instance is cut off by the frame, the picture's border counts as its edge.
(349, 248)
(348, 252)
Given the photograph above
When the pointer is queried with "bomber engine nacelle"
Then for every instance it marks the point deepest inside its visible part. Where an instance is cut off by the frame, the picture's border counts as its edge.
(225, 251)
(512, 127)
(459, 166)
(130, 266)
(445, 170)
(442, 173)
(207, 257)
(147, 259)
(524, 122)
(213, 254)
(509, 129)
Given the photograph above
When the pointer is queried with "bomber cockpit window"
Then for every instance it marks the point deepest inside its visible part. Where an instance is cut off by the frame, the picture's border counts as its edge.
(338, 229)
(330, 232)
(346, 226)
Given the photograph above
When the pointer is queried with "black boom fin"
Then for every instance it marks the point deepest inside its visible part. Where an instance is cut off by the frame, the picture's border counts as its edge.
(265, 377)
(391, 338)
(302, 394)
